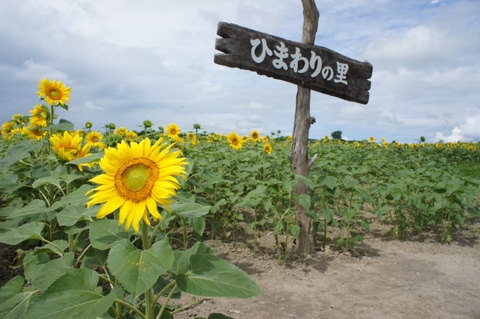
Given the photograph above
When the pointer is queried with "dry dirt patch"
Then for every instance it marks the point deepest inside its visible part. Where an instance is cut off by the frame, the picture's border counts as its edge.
(385, 279)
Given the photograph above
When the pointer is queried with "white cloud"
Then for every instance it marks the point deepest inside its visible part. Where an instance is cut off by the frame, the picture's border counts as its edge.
(456, 136)
(469, 131)
(471, 128)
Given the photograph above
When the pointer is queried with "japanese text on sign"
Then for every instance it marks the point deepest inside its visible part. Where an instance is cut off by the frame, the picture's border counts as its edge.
(299, 63)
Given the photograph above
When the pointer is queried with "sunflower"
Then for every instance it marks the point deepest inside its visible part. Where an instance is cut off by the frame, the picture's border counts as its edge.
(19, 119)
(121, 131)
(38, 110)
(7, 127)
(267, 148)
(131, 135)
(53, 92)
(35, 133)
(136, 178)
(38, 121)
(172, 130)
(38, 116)
(192, 138)
(265, 139)
(234, 140)
(68, 147)
(371, 139)
(94, 138)
(255, 136)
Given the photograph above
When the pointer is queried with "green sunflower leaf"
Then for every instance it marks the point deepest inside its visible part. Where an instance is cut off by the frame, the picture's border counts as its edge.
(105, 232)
(138, 270)
(189, 209)
(182, 264)
(42, 272)
(11, 288)
(76, 198)
(34, 209)
(87, 159)
(211, 276)
(73, 295)
(16, 235)
(70, 215)
(15, 307)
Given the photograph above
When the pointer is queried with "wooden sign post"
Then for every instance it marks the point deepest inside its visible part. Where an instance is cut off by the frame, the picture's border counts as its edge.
(311, 68)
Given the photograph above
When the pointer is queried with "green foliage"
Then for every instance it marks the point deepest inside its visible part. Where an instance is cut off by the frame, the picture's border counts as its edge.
(202, 273)
(137, 269)
(412, 187)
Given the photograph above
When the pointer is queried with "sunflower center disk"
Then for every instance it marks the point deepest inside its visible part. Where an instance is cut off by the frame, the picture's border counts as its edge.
(135, 180)
(54, 93)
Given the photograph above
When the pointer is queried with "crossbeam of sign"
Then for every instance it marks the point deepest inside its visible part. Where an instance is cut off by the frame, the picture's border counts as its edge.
(314, 67)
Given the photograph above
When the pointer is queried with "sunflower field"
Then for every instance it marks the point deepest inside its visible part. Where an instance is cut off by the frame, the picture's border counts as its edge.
(110, 222)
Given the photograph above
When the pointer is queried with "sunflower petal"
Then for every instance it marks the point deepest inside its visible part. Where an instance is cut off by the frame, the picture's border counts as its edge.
(109, 207)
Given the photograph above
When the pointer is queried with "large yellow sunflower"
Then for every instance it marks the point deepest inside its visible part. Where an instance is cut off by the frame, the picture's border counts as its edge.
(53, 92)
(137, 177)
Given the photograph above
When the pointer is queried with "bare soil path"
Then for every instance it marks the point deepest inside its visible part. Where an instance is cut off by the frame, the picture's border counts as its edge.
(385, 279)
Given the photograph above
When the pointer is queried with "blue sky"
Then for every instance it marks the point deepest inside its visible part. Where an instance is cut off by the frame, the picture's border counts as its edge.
(128, 61)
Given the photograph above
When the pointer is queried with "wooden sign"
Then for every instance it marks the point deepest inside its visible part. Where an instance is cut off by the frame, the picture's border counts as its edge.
(310, 66)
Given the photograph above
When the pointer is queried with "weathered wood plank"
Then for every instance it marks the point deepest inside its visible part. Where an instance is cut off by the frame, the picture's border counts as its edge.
(301, 62)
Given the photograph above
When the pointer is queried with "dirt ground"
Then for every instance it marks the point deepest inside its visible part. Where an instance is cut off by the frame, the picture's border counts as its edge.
(383, 278)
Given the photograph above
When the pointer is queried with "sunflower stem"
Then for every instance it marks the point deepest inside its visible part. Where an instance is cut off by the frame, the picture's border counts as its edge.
(130, 307)
(148, 294)
(50, 168)
(164, 291)
(166, 302)
(82, 254)
(184, 226)
(145, 239)
(52, 244)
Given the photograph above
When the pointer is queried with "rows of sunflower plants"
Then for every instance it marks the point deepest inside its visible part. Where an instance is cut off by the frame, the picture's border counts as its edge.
(90, 215)
(413, 188)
